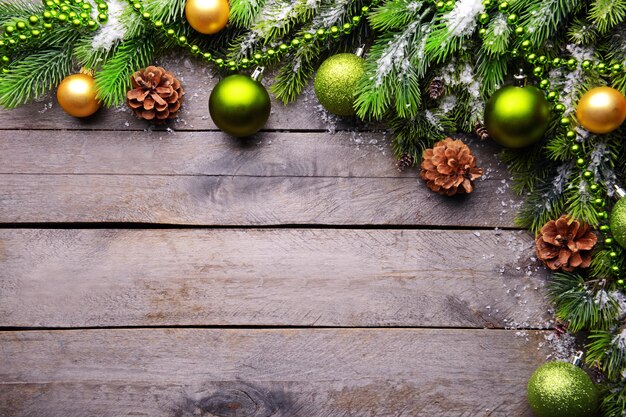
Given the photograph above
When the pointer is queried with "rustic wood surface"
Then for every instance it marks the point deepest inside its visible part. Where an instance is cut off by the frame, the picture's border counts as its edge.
(265, 372)
(179, 272)
(285, 277)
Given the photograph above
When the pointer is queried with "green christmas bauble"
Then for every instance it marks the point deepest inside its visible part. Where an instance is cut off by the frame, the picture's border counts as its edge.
(560, 389)
(336, 81)
(239, 105)
(618, 222)
(517, 117)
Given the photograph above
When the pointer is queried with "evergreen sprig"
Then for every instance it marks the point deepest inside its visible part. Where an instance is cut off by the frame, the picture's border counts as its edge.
(113, 79)
(33, 76)
(583, 304)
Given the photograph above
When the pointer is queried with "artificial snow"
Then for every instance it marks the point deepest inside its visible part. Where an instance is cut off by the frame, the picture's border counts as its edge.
(394, 55)
(461, 20)
(114, 29)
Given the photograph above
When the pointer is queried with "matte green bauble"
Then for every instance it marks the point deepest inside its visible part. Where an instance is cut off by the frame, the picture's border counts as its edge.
(618, 222)
(239, 105)
(560, 389)
(336, 81)
(517, 117)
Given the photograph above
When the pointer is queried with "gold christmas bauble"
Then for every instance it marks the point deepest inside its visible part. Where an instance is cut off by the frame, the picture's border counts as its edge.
(601, 110)
(77, 95)
(207, 16)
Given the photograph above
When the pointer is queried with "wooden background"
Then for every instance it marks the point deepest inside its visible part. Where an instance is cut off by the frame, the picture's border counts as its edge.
(147, 272)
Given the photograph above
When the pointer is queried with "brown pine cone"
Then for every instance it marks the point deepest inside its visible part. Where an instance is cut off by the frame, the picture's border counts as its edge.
(405, 162)
(481, 131)
(156, 94)
(436, 88)
(565, 244)
(449, 168)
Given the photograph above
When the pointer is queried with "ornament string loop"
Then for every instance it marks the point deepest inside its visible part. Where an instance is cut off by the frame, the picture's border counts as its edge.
(360, 51)
(619, 191)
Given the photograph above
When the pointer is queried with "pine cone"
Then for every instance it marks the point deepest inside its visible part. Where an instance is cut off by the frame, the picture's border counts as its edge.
(405, 161)
(481, 131)
(156, 94)
(436, 88)
(449, 168)
(565, 244)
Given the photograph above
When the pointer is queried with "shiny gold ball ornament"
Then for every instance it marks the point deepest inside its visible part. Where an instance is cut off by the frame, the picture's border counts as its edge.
(207, 16)
(76, 95)
(517, 117)
(336, 81)
(239, 105)
(560, 389)
(601, 110)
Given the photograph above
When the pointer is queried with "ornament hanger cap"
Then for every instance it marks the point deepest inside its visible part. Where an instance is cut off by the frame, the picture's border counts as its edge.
(360, 51)
(619, 191)
(257, 74)
(578, 358)
(520, 78)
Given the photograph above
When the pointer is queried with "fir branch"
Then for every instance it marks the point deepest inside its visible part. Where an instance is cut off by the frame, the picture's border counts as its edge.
(167, 11)
(278, 17)
(584, 305)
(413, 136)
(545, 201)
(395, 15)
(580, 32)
(294, 75)
(496, 40)
(298, 67)
(542, 18)
(492, 70)
(244, 12)
(452, 29)
(614, 400)
(15, 10)
(607, 350)
(606, 14)
(393, 69)
(579, 204)
(113, 80)
(30, 78)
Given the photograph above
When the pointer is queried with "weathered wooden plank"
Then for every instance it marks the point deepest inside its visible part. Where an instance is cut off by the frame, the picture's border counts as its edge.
(303, 277)
(346, 154)
(290, 373)
(304, 114)
(227, 200)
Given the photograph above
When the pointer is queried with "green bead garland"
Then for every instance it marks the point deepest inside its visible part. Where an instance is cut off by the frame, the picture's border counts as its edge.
(18, 35)
(541, 64)
(265, 57)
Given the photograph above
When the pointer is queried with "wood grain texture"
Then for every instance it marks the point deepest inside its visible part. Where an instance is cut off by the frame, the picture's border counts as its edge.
(247, 201)
(290, 373)
(290, 277)
(198, 82)
(344, 154)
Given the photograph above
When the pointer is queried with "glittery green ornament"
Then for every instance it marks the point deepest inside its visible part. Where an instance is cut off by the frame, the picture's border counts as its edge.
(560, 389)
(336, 81)
(517, 117)
(239, 105)
(618, 222)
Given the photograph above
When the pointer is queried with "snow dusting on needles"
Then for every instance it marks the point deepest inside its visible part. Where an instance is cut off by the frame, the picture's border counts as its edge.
(460, 21)
(114, 29)
(394, 55)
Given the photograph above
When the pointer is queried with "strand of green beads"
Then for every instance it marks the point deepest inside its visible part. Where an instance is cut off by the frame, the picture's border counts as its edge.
(541, 64)
(19, 35)
(265, 57)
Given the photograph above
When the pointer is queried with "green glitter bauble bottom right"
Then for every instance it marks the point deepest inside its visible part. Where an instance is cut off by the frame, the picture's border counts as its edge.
(560, 389)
